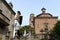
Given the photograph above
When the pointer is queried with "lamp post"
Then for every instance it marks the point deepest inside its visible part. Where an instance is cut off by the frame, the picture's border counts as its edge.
(46, 32)
(42, 33)
(46, 35)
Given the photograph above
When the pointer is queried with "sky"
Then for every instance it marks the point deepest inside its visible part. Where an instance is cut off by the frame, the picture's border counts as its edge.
(26, 7)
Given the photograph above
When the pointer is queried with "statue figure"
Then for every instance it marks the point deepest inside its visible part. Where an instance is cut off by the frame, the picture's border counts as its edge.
(17, 23)
(25, 34)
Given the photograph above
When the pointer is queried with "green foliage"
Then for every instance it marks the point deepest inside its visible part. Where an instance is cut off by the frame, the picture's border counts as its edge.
(56, 30)
(27, 28)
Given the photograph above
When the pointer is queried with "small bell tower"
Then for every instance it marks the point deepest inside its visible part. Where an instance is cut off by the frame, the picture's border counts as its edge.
(43, 10)
(31, 23)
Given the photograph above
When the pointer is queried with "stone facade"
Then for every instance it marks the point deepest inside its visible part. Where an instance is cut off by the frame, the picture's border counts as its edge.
(43, 21)
(6, 20)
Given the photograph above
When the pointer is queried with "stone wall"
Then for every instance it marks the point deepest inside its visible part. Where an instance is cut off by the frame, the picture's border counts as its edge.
(5, 10)
(7, 18)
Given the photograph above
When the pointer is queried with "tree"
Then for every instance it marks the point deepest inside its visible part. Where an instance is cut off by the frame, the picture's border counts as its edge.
(56, 31)
(27, 28)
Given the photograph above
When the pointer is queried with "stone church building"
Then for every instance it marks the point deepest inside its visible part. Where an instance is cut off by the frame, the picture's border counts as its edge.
(6, 20)
(43, 22)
